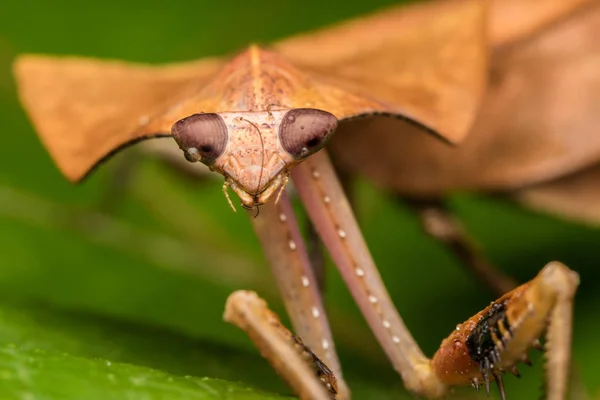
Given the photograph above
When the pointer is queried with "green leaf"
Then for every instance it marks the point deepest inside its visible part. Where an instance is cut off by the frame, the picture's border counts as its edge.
(39, 374)
(49, 355)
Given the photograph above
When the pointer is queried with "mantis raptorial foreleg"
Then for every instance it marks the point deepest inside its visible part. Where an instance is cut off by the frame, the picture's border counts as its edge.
(523, 313)
(284, 248)
(478, 352)
(300, 368)
(325, 202)
(498, 337)
(549, 296)
(439, 222)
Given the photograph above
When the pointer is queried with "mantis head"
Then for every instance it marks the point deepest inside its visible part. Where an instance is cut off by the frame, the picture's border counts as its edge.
(254, 150)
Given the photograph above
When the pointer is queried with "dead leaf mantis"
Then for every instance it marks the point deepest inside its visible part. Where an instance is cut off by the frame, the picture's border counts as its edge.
(263, 118)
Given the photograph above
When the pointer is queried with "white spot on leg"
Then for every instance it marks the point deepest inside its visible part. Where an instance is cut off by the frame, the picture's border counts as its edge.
(315, 312)
(292, 245)
(373, 299)
(396, 339)
(342, 233)
(305, 281)
(360, 272)
(282, 217)
(325, 344)
(386, 324)
(316, 174)
(326, 199)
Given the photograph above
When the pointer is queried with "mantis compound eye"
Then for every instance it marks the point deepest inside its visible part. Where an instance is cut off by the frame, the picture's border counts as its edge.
(304, 131)
(202, 137)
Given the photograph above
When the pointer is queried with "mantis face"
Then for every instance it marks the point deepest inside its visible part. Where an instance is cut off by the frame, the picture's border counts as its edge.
(254, 150)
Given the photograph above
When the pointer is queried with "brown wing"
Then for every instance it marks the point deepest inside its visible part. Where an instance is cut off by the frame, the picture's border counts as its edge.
(426, 62)
(84, 109)
(539, 121)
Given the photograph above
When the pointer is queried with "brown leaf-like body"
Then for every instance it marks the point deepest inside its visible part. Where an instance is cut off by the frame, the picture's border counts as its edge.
(538, 121)
(423, 63)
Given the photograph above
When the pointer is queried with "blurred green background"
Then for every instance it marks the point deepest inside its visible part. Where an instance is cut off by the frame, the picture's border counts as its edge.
(130, 305)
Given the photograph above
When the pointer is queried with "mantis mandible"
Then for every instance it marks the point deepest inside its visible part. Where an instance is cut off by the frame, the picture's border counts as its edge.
(264, 117)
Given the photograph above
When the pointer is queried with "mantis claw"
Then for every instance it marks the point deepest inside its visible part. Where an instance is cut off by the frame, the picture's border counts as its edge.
(497, 338)
(500, 384)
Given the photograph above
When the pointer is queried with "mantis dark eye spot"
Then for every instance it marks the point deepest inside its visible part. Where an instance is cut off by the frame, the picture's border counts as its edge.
(304, 131)
(202, 137)
(313, 142)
